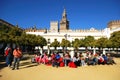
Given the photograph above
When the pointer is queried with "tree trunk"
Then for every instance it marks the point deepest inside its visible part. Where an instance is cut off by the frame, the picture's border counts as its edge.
(63, 49)
(104, 51)
(94, 50)
(76, 50)
(86, 49)
(117, 50)
(48, 49)
(41, 49)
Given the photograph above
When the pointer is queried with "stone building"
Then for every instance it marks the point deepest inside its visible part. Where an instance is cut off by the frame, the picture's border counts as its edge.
(54, 26)
(63, 32)
(64, 23)
(60, 30)
(114, 24)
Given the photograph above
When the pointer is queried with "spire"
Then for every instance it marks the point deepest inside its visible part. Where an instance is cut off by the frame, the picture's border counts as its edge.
(64, 23)
(64, 14)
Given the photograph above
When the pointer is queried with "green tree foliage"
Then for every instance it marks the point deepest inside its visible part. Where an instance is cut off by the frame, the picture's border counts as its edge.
(4, 28)
(15, 31)
(9, 34)
(65, 43)
(4, 33)
(3, 37)
(89, 41)
(32, 40)
(14, 35)
(68, 44)
(76, 43)
(55, 44)
(115, 39)
(102, 42)
(62, 44)
(19, 37)
(109, 44)
(40, 41)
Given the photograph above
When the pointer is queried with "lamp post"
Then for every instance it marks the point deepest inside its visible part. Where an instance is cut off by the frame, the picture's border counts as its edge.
(65, 43)
(66, 36)
(48, 44)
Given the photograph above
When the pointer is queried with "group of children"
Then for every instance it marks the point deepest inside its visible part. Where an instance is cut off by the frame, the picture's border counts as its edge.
(81, 59)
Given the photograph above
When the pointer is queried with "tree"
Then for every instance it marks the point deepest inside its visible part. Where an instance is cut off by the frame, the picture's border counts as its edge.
(3, 41)
(109, 44)
(32, 40)
(15, 31)
(88, 41)
(41, 41)
(65, 43)
(3, 37)
(9, 34)
(62, 44)
(76, 44)
(101, 43)
(55, 44)
(115, 39)
(4, 28)
(15, 35)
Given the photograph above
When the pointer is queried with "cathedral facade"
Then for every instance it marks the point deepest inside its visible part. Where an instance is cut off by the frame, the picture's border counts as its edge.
(63, 32)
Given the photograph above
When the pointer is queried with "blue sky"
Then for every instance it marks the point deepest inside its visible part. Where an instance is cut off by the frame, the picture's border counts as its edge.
(82, 14)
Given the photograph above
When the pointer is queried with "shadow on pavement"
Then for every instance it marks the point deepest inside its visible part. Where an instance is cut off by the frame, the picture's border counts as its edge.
(2, 62)
(0, 75)
(2, 65)
(24, 63)
(28, 66)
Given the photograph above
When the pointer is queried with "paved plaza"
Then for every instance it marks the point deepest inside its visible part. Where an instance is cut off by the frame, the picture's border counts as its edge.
(33, 71)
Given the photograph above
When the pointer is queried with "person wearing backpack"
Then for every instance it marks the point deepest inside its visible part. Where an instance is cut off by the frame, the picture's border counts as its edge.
(9, 56)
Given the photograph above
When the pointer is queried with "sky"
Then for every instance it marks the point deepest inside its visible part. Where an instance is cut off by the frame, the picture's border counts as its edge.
(82, 14)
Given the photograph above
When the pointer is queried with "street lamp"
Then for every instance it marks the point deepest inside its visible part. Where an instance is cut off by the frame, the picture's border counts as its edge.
(65, 40)
(66, 36)
(48, 44)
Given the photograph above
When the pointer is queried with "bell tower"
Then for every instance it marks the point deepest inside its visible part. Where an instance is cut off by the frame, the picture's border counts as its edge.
(64, 23)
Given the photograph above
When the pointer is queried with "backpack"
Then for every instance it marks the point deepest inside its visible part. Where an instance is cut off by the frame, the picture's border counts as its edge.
(7, 51)
(57, 56)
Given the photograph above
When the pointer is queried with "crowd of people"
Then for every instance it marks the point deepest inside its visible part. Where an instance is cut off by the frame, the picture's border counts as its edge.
(57, 59)
(79, 59)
